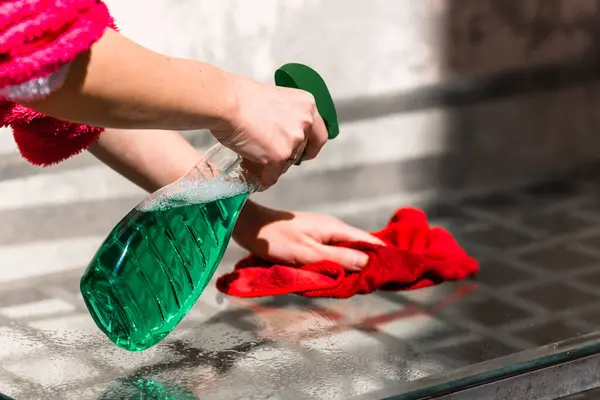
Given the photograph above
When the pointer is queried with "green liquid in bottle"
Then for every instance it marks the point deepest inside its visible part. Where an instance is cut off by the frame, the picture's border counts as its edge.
(156, 262)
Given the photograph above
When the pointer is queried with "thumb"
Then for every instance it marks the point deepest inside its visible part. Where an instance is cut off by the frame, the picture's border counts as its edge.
(349, 259)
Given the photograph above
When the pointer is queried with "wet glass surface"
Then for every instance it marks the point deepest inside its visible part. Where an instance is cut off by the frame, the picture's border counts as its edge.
(589, 395)
(539, 249)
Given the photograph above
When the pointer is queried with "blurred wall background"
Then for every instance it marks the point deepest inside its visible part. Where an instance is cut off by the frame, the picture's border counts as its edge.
(435, 97)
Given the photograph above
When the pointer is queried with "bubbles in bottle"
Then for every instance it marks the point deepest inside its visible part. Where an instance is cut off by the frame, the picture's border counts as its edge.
(189, 192)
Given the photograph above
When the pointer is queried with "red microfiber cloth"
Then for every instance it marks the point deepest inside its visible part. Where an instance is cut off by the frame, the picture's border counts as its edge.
(416, 256)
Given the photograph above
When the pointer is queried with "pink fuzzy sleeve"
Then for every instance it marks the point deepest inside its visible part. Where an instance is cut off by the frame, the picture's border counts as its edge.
(38, 41)
(38, 37)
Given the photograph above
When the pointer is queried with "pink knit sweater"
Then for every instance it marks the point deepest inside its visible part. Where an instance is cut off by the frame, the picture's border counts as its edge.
(38, 40)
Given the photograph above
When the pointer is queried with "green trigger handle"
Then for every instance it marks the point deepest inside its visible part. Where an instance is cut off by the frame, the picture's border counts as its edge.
(300, 76)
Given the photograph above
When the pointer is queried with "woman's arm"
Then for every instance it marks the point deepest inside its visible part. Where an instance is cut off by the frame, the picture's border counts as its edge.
(119, 84)
(150, 159)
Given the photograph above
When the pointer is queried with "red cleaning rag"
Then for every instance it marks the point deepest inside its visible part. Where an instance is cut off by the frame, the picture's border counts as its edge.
(416, 256)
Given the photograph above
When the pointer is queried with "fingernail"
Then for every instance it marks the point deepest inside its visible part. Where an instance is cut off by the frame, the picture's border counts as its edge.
(360, 261)
(376, 240)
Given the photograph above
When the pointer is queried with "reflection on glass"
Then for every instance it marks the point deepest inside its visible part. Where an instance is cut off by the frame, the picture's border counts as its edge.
(145, 389)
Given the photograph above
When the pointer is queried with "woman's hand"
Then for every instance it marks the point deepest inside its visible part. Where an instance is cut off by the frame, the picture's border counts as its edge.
(271, 127)
(296, 238)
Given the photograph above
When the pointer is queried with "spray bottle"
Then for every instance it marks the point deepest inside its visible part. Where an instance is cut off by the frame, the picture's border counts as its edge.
(155, 263)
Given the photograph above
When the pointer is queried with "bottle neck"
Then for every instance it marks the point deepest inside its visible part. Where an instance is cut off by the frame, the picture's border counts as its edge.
(220, 162)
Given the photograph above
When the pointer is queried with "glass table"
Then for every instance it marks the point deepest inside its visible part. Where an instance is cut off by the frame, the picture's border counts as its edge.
(526, 324)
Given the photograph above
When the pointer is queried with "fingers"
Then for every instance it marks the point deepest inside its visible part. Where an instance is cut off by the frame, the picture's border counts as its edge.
(349, 259)
(271, 173)
(348, 233)
(255, 174)
(316, 135)
(276, 140)
(269, 176)
(297, 156)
